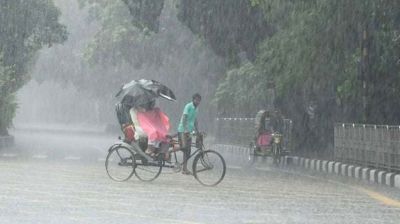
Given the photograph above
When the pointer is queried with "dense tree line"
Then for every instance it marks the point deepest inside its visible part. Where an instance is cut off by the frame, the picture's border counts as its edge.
(25, 27)
(126, 46)
(321, 61)
(330, 61)
(327, 61)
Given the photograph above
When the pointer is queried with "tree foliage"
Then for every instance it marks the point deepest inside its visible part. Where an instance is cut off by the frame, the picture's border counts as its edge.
(145, 13)
(228, 27)
(121, 50)
(25, 27)
(327, 61)
(330, 61)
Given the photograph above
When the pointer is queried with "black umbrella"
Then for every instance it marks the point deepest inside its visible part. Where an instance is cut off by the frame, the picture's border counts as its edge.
(143, 91)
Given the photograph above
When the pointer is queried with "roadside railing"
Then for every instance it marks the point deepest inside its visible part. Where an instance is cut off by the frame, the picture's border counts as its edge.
(368, 145)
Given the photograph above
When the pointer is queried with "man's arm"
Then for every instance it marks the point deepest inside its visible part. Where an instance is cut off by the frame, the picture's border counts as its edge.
(185, 122)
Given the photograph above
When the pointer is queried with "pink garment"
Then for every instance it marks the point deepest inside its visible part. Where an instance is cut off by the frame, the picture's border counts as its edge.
(155, 124)
(264, 139)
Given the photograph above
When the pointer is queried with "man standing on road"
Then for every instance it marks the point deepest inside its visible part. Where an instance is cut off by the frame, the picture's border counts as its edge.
(188, 124)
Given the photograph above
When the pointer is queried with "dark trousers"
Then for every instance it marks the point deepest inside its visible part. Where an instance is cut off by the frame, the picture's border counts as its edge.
(185, 143)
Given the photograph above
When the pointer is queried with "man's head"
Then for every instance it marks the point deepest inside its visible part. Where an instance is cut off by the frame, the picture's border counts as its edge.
(267, 114)
(196, 99)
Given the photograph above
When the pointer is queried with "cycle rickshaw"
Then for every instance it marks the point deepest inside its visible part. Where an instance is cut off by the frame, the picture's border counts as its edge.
(127, 157)
(270, 141)
(125, 160)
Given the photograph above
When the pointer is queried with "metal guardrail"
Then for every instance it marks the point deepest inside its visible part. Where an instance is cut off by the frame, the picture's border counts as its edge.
(375, 146)
(241, 131)
(234, 131)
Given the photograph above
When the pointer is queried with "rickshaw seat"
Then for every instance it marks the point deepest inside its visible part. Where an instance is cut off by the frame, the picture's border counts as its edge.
(264, 139)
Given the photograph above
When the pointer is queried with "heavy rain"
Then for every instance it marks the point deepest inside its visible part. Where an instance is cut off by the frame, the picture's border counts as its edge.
(193, 111)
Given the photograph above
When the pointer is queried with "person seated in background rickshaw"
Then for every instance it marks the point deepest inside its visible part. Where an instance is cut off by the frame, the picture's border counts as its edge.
(277, 122)
(264, 131)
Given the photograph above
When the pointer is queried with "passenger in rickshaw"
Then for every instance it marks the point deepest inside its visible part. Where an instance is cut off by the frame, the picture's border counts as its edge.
(264, 131)
(148, 126)
(155, 125)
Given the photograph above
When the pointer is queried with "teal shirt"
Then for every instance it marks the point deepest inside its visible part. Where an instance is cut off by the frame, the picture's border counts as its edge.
(191, 111)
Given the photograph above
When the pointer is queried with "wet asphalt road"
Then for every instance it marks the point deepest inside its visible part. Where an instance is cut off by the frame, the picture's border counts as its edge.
(60, 178)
